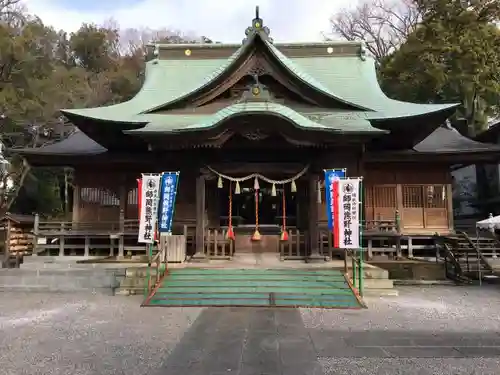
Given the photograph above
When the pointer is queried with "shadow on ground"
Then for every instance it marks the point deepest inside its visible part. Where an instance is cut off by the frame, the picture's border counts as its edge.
(244, 341)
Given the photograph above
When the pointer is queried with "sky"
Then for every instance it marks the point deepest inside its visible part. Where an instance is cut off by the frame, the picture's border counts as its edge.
(220, 20)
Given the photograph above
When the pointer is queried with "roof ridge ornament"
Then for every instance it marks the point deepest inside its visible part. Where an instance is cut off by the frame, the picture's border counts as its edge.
(258, 28)
(255, 92)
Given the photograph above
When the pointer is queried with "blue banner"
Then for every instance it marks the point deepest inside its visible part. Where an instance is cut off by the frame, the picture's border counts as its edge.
(330, 176)
(168, 193)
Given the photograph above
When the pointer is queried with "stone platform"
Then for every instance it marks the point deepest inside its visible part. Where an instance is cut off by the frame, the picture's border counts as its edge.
(377, 280)
(68, 274)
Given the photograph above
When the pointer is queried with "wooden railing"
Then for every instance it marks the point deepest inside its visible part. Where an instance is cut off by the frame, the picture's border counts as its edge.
(380, 226)
(356, 276)
(157, 268)
(217, 246)
(103, 237)
(444, 253)
(295, 247)
(128, 226)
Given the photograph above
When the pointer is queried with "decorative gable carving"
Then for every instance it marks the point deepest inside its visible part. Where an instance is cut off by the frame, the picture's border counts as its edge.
(258, 67)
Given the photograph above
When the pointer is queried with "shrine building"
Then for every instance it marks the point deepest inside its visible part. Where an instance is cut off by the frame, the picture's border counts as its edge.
(220, 113)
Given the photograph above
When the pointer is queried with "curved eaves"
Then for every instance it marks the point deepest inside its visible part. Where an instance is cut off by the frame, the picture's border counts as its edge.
(328, 123)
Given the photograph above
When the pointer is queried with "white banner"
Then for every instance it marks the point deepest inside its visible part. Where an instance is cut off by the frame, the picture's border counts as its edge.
(149, 207)
(348, 213)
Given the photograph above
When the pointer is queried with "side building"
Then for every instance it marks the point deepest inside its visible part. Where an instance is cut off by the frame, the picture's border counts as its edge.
(476, 187)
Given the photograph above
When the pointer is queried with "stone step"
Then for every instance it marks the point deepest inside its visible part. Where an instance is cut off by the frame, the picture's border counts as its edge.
(59, 289)
(92, 272)
(135, 285)
(374, 292)
(73, 280)
(379, 284)
(57, 259)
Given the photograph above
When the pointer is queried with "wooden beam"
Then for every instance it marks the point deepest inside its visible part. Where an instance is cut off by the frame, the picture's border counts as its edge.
(313, 220)
(449, 206)
(123, 198)
(200, 219)
(76, 203)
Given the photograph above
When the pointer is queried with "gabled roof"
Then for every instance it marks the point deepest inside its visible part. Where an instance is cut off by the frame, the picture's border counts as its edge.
(348, 78)
(447, 139)
(76, 143)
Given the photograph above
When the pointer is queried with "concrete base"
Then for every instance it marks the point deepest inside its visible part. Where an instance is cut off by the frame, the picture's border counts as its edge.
(199, 258)
(316, 258)
(62, 279)
(412, 269)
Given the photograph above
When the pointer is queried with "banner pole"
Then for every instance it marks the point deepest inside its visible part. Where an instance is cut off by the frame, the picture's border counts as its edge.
(148, 274)
(361, 257)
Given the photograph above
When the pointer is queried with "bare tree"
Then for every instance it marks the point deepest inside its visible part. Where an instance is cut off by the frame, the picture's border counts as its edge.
(382, 24)
(133, 40)
(12, 12)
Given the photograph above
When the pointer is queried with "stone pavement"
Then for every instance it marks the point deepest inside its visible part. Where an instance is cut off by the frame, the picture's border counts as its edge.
(433, 330)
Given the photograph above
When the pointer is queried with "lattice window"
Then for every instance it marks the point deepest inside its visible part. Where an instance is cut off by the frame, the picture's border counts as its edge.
(428, 196)
(380, 196)
(102, 197)
(132, 196)
(384, 196)
(435, 196)
(412, 196)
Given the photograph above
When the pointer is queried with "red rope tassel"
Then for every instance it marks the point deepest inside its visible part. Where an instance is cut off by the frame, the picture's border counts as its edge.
(284, 232)
(256, 235)
(230, 232)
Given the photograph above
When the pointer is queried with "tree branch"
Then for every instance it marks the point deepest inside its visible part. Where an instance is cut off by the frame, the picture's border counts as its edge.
(382, 24)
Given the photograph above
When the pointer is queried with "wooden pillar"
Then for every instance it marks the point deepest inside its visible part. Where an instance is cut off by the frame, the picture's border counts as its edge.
(200, 219)
(314, 254)
(6, 255)
(76, 204)
(123, 197)
(36, 224)
(449, 207)
(399, 205)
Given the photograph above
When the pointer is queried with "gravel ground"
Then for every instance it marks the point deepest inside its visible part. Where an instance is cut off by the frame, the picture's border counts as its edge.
(431, 330)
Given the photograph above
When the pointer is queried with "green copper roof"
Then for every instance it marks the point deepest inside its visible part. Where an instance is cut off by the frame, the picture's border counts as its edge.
(348, 79)
(166, 80)
(171, 80)
(338, 122)
(355, 80)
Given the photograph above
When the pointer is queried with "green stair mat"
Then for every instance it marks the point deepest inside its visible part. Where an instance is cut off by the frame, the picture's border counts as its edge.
(258, 295)
(353, 304)
(245, 283)
(255, 271)
(247, 289)
(321, 288)
(227, 277)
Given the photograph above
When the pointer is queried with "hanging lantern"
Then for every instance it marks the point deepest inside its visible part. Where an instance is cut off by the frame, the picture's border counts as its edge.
(256, 184)
(318, 190)
(219, 182)
(237, 188)
(293, 187)
(273, 191)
